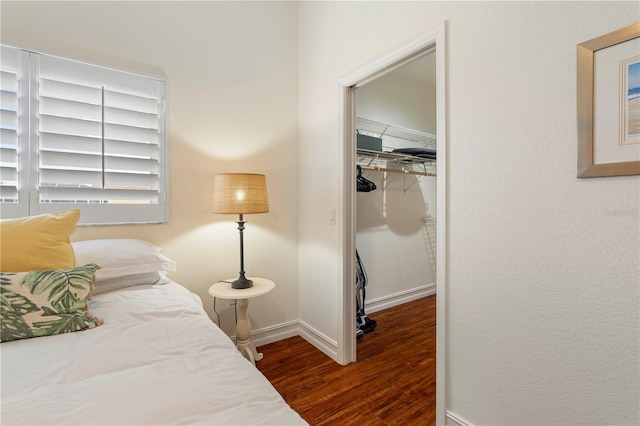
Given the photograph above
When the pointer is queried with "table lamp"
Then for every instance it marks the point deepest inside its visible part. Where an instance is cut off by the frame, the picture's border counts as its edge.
(240, 193)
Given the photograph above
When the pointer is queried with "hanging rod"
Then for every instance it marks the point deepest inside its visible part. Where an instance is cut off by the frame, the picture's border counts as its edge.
(403, 171)
(394, 157)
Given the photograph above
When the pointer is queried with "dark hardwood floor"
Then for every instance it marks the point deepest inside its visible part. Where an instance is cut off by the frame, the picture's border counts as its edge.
(392, 383)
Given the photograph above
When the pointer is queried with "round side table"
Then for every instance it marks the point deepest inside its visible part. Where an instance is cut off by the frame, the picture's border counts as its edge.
(223, 290)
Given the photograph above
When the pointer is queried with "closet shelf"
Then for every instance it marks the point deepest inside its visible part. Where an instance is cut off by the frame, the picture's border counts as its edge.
(393, 162)
(378, 129)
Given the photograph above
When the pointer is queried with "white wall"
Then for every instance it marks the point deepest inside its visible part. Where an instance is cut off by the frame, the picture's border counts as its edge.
(396, 98)
(391, 237)
(543, 268)
(232, 75)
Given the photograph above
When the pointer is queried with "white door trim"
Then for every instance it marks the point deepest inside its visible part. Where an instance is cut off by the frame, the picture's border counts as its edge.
(346, 351)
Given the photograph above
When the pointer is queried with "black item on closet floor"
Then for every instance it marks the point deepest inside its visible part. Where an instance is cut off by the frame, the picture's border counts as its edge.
(364, 324)
(429, 154)
(363, 184)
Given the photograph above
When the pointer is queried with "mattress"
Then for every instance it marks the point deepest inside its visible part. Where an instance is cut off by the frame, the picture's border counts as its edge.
(157, 359)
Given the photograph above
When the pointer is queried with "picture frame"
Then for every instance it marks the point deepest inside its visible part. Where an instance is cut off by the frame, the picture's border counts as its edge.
(608, 104)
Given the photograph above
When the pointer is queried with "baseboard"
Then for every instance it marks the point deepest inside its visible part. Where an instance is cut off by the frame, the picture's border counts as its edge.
(454, 420)
(328, 346)
(282, 331)
(399, 298)
(274, 333)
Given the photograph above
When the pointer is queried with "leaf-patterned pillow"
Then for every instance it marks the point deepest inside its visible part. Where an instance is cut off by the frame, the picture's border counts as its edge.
(43, 303)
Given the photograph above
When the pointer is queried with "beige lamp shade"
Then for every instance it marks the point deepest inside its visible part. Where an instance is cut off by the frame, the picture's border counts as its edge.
(240, 193)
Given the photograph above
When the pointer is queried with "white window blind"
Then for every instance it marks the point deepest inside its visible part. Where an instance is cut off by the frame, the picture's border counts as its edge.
(14, 125)
(98, 142)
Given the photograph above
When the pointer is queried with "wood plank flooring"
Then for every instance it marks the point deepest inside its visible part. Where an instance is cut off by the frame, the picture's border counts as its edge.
(392, 383)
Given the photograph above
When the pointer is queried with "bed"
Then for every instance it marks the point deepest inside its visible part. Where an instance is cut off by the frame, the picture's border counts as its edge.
(153, 356)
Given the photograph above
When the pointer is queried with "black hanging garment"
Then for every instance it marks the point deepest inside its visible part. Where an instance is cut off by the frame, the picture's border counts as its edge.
(363, 184)
(364, 324)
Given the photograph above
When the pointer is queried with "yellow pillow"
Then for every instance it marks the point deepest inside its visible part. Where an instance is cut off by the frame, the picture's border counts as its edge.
(38, 242)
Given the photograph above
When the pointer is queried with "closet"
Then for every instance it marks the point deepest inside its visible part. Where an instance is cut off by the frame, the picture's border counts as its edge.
(396, 152)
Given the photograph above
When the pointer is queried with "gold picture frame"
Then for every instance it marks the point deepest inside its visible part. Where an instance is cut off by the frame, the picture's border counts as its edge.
(608, 132)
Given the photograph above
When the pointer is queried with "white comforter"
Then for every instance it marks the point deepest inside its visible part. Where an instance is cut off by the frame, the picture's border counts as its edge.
(157, 359)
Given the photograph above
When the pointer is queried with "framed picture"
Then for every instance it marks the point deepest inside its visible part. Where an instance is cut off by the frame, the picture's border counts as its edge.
(609, 104)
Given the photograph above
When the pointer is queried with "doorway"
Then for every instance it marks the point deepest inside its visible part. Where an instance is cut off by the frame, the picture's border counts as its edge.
(396, 189)
(432, 42)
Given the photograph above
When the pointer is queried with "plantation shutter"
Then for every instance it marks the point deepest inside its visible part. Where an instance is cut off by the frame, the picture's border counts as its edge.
(14, 137)
(100, 140)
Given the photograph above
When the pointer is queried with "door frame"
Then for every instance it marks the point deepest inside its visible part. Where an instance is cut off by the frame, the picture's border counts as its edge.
(434, 39)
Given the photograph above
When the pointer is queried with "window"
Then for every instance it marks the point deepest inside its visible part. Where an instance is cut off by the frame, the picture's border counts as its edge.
(76, 135)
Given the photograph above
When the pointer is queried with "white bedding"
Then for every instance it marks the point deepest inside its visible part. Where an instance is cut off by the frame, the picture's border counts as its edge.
(157, 359)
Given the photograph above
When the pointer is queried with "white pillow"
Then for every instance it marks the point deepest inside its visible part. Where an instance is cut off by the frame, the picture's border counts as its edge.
(111, 284)
(121, 257)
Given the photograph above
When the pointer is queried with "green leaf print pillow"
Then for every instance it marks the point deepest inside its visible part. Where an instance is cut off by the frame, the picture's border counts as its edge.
(44, 303)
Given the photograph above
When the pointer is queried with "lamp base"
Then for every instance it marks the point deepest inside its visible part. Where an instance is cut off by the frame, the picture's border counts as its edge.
(242, 282)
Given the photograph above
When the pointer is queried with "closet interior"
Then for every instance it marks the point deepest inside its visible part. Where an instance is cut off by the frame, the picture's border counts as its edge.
(396, 197)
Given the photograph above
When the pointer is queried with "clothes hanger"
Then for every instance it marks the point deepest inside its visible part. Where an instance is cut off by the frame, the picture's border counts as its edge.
(363, 184)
